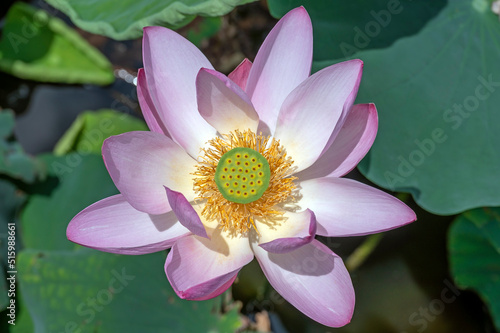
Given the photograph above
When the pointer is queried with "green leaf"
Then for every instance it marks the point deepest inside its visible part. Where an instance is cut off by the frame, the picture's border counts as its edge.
(14, 162)
(11, 200)
(203, 29)
(7, 123)
(24, 322)
(39, 47)
(437, 94)
(127, 20)
(474, 250)
(75, 181)
(91, 128)
(90, 291)
(344, 27)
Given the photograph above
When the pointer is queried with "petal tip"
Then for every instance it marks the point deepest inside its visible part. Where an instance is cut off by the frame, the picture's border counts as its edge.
(245, 62)
(357, 62)
(147, 30)
(153, 28)
(70, 232)
(301, 10)
(313, 223)
(413, 216)
(407, 214)
(206, 71)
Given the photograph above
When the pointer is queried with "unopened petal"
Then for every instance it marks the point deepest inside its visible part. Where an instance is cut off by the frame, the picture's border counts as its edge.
(345, 207)
(240, 73)
(113, 225)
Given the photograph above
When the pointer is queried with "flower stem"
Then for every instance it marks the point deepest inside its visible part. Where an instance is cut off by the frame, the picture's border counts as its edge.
(362, 252)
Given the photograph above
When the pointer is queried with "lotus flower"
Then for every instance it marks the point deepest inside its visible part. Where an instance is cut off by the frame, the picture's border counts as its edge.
(242, 166)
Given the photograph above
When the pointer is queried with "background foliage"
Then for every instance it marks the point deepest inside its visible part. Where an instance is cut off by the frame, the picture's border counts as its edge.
(431, 67)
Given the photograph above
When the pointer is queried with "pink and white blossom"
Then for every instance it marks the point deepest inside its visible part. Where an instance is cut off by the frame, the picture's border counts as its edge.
(316, 131)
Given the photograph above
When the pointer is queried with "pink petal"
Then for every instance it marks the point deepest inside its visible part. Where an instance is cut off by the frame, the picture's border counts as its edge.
(295, 231)
(185, 213)
(171, 64)
(282, 63)
(313, 279)
(240, 73)
(345, 207)
(142, 163)
(223, 104)
(148, 108)
(113, 225)
(353, 141)
(311, 112)
(200, 268)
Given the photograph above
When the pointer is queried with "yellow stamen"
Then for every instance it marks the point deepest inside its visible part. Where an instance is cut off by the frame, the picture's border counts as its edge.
(238, 217)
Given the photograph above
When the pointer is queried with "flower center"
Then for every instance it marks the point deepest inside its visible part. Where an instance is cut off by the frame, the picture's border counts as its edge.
(242, 175)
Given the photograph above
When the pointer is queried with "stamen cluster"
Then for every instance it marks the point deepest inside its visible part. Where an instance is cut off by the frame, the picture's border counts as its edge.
(235, 217)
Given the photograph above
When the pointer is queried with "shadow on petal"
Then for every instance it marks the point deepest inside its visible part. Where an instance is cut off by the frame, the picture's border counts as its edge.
(164, 221)
(305, 261)
(216, 243)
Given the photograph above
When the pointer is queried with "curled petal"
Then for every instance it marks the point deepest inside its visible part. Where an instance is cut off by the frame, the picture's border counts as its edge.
(311, 112)
(353, 141)
(240, 73)
(142, 163)
(171, 64)
(186, 214)
(282, 63)
(148, 108)
(113, 225)
(345, 207)
(296, 230)
(313, 279)
(200, 268)
(223, 104)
